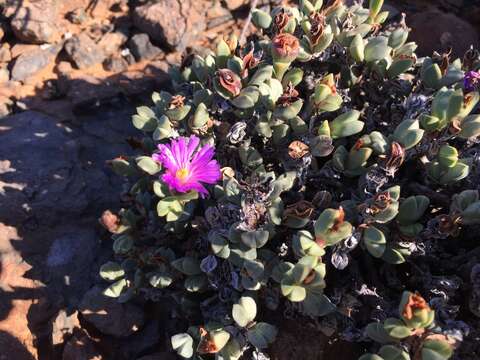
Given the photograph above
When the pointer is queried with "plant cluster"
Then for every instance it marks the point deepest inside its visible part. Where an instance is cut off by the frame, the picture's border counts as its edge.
(412, 330)
(271, 162)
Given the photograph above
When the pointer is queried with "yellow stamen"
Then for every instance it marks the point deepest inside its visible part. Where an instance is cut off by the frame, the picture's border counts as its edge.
(182, 174)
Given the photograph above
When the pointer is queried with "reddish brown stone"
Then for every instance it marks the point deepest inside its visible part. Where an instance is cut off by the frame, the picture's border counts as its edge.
(17, 294)
(36, 22)
(182, 26)
(434, 30)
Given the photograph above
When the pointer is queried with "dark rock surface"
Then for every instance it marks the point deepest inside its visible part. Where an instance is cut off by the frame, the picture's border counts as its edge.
(142, 48)
(54, 185)
(434, 30)
(109, 316)
(81, 347)
(83, 51)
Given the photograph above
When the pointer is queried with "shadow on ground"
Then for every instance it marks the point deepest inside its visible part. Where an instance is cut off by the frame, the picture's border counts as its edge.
(54, 185)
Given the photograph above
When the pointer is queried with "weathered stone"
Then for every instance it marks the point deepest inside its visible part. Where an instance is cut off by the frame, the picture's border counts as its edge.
(434, 30)
(4, 75)
(5, 54)
(64, 67)
(177, 30)
(112, 42)
(37, 186)
(30, 63)
(83, 51)
(36, 22)
(53, 184)
(86, 90)
(19, 49)
(142, 48)
(109, 316)
(71, 253)
(61, 109)
(17, 291)
(81, 347)
(5, 108)
(77, 16)
(115, 64)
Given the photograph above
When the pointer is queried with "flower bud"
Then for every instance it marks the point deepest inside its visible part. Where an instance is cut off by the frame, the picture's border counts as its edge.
(415, 311)
(227, 83)
(281, 20)
(297, 149)
(110, 221)
(285, 48)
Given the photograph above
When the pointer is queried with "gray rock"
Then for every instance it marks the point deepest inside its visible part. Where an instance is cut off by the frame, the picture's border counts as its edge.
(176, 24)
(31, 62)
(142, 48)
(112, 42)
(109, 316)
(36, 22)
(115, 64)
(83, 51)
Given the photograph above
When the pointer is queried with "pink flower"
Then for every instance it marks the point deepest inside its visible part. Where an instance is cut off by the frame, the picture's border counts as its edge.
(186, 167)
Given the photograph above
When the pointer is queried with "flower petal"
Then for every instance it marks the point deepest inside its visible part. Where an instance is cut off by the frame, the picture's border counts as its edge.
(166, 157)
(210, 173)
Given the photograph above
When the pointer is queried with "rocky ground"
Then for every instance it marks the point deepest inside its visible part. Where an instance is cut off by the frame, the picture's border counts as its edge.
(71, 73)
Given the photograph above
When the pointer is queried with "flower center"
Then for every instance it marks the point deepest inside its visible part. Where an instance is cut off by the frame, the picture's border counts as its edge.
(182, 174)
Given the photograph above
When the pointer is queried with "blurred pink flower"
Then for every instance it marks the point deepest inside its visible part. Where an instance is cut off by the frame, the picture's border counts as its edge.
(187, 168)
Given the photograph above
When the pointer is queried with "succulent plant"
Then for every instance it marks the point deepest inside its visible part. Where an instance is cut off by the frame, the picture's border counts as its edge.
(264, 162)
(413, 329)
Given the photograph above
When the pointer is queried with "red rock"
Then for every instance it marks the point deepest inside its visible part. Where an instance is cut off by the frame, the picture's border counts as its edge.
(36, 22)
(434, 30)
(112, 42)
(19, 49)
(4, 75)
(17, 294)
(83, 51)
(5, 54)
